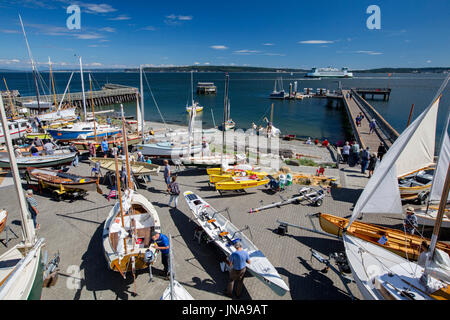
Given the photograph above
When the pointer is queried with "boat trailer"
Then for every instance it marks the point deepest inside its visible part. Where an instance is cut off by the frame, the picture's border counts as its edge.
(313, 196)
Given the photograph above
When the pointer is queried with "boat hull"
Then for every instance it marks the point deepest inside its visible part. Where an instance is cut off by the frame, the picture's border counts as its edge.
(39, 161)
(404, 245)
(165, 151)
(233, 185)
(138, 168)
(224, 234)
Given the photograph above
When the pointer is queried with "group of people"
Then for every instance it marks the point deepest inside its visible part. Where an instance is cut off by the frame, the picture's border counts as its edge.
(352, 154)
(48, 147)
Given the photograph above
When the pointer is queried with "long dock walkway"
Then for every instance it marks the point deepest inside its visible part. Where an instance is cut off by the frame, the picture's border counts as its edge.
(383, 132)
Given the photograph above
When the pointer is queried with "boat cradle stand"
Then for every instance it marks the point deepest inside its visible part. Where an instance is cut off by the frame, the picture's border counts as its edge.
(7, 238)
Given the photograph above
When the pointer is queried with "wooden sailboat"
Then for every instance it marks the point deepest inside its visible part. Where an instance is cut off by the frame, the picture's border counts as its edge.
(20, 267)
(224, 234)
(397, 241)
(132, 215)
(60, 158)
(379, 273)
(427, 216)
(407, 157)
(137, 168)
(63, 181)
(175, 291)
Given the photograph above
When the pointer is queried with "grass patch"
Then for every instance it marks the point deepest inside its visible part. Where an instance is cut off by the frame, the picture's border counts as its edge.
(307, 162)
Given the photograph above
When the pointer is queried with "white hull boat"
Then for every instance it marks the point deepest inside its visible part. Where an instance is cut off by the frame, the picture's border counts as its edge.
(167, 149)
(179, 293)
(225, 234)
(17, 129)
(58, 159)
(68, 113)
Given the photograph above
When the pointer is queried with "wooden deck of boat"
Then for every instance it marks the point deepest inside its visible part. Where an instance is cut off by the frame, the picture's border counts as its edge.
(383, 133)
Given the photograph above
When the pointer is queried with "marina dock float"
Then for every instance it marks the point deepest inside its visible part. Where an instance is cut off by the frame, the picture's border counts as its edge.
(108, 95)
(366, 92)
(383, 132)
(206, 88)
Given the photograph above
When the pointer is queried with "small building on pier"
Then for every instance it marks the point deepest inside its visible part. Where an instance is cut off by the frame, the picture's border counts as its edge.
(206, 88)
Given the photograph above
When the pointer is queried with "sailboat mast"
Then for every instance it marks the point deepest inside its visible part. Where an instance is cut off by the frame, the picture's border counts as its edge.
(53, 83)
(440, 214)
(82, 89)
(27, 228)
(224, 119)
(33, 66)
(125, 146)
(192, 87)
(13, 110)
(92, 106)
(142, 101)
(271, 114)
(119, 189)
(172, 295)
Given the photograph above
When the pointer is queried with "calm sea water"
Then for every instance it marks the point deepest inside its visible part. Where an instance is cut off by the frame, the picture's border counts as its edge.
(249, 93)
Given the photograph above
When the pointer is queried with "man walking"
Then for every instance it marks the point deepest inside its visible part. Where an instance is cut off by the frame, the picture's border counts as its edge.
(237, 261)
(381, 150)
(365, 160)
(104, 146)
(372, 126)
(410, 223)
(32, 208)
(174, 191)
(162, 244)
(167, 172)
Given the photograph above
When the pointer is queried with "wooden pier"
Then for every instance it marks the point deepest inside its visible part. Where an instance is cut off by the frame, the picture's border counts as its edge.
(365, 93)
(110, 94)
(206, 88)
(383, 132)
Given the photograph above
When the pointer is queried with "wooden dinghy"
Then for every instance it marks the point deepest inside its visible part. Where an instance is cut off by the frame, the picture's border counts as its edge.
(241, 183)
(140, 219)
(225, 234)
(3, 218)
(83, 145)
(398, 242)
(63, 181)
(138, 168)
(213, 178)
(416, 185)
(429, 218)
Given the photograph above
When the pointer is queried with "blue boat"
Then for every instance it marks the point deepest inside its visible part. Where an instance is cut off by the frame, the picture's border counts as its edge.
(82, 130)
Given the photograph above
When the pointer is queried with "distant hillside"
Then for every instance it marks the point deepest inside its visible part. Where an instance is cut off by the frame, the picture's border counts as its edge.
(216, 69)
(405, 70)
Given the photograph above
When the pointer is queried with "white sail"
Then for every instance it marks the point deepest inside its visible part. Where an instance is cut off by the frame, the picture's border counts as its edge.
(381, 194)
(441, 169)
(138, 115)
(419, 152)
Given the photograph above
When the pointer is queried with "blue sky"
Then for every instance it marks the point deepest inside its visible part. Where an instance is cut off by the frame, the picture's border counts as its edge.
(298, 34)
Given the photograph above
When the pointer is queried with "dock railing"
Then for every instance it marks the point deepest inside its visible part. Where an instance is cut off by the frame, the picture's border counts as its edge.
(390, 133)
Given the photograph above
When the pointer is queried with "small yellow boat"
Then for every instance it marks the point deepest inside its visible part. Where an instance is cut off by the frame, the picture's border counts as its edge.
(214, 178)
(241, 183)
(397, 241)
(40, 135)
(241, 167)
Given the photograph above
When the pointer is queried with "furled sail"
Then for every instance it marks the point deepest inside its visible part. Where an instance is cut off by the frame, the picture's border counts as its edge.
(381, 194)
(441, 169)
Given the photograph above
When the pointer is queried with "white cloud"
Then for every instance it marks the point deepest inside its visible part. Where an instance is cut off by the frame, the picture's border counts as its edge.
(9, 61)
(108, 29)
(372, 53)
(219, 47)
(120, 18)
(94, 64)
(428, 61)
(274, 54)
(88, 36)
(207, 63)
(246, 52)
(315, 41)
(176, 20)
(268, 44)
(98, 8)
(196, 63)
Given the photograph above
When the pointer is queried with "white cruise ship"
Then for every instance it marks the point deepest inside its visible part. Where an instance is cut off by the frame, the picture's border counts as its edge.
(329, 72)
